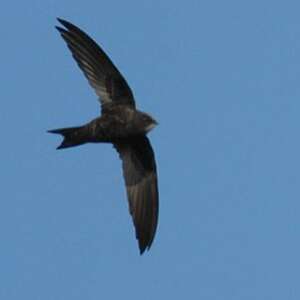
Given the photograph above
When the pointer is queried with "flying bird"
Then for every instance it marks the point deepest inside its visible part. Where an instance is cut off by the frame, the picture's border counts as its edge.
(120, 124)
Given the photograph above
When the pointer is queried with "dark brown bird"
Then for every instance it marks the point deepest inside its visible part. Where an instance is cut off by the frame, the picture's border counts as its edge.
(122, 125)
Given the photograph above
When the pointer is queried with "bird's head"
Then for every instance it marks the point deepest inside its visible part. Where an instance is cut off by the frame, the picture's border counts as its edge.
(148, 123)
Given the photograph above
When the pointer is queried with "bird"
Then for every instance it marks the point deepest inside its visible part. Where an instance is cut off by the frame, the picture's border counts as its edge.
(121, 124)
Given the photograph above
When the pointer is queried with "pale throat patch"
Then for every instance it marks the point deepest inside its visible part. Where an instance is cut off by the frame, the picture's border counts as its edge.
(150, 127)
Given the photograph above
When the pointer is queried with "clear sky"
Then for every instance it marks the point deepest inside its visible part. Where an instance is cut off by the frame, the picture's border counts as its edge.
(223, 80)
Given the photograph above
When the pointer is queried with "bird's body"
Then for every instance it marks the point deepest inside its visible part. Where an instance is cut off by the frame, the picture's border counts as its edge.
(115, 124)
(122, 125)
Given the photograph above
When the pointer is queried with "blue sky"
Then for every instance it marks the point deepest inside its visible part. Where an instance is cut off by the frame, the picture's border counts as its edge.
(222, 78)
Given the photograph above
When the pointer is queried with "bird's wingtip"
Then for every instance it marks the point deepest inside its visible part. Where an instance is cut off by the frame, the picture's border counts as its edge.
(60, 20)
(66, 24)
(143, 248)
(60, 29)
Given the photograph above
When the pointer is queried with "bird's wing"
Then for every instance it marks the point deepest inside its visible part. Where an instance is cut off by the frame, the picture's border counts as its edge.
(140, 175)
(101, 73)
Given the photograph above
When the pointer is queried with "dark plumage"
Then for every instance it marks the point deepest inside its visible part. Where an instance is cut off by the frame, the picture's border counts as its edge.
(122, 125)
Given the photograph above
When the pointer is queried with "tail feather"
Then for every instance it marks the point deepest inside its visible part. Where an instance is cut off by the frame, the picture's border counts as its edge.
(73, 136)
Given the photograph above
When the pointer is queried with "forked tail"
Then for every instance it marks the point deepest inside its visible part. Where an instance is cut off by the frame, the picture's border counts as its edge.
(73, 136)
